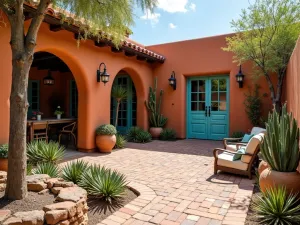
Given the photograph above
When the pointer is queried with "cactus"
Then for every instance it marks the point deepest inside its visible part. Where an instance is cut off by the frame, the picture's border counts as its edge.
(156, 119)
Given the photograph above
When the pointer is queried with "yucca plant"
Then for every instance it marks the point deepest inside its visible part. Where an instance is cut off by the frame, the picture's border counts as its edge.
(168, 135)
(277, 207)
(73, 171)
(120, 141)
(104, 183)
(47, 168)
(119, 93)
(41, 151)
(280, 148)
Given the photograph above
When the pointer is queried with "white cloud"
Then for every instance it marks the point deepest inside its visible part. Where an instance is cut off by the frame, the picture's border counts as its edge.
(173, 6)
(172, 25)
(152, 17)
(193, 6)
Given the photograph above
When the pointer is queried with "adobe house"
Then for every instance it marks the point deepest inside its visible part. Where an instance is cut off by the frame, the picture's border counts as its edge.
(207, 103)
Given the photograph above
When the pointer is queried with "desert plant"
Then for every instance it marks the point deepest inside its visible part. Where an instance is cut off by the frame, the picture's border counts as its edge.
(29, 168)
(41, 151)
(238, 134)
(47, 168)
(119, 93)
(253, 106)
(156, 119)
(132, 133)
(120, 141)
(168, 135)
(280, 148)
(4, 151)
(276, 206)
(103, 183)
(73, 171)
(106, 129)
(143, 137)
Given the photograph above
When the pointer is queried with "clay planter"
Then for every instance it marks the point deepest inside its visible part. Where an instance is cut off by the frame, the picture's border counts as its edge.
(262, 166)
(3, 164)
(155, 131)
(105, 143)
(271, 178)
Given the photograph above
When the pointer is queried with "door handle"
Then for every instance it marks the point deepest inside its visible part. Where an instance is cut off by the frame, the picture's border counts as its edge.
(209, 111)
(205, 111)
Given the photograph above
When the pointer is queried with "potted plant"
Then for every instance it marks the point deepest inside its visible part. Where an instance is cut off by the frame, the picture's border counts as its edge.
(38, 114)
(280, 150)
(3, 157)
(58, 112)
(156, 119)
(106, 137)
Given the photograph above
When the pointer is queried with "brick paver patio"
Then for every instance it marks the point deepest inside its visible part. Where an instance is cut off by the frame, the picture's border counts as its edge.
(181, 187)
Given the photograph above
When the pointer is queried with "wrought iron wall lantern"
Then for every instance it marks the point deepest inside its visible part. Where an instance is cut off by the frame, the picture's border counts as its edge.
(240, 77)
(172, 80)
(102, 76)
(48, 80)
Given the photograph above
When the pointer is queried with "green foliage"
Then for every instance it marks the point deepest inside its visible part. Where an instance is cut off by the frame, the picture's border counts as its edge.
(47, 168)
(276, 206)
(132, 133)
(280, 148)
(103, 183)
(106, 129)
(29, 168)
(138, 135)
(121, 141)
(58, 111)
(73, 171)
(238, 134)
(4, 151)
(156, 119)
(41, 151)
(168, 135)
(253, 106)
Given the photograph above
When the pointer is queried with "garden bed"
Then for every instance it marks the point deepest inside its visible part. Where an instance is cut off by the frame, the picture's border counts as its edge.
(251, 218)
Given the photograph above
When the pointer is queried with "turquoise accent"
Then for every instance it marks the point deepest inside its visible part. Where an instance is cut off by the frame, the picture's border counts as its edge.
(247, 137)
(73, 99)
(239, 156)
(208, 107)
(33, 97)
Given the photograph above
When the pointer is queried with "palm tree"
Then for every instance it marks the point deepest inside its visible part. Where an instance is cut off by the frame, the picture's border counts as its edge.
(119, 93)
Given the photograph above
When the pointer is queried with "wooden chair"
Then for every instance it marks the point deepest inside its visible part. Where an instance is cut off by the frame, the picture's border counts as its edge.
(69, 130)
(40, 131)
(224, 161)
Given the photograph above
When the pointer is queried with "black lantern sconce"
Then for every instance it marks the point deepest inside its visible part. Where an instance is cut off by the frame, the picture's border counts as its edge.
(240, 77)
(102, 76)
(172, 80)
(48, 80)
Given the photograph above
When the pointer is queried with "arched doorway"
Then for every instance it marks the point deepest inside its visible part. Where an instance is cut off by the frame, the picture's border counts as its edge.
(127, 116)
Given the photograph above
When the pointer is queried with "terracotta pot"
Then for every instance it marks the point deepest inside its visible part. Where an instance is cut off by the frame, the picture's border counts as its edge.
(271, 178)
(155, 131)
(105, 143)
(262, 166)
(3, 164)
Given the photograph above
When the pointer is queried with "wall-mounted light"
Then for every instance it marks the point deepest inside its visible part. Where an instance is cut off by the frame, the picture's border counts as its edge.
(48, 80)
(102, 76)
(172, 80)
(240, 77)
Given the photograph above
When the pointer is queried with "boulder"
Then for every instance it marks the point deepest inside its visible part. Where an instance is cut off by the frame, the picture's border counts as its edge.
(64, 184)
(55, 216)
(43, 192)
(66, 222)
(13, 221)
(73, 194)
(2, 187)
(35, 217)
(36, 187)
(4, 214)
(69, 206)
(37, 178)
(56, 190)
(50, 182)
(3, 174)
(3, 180)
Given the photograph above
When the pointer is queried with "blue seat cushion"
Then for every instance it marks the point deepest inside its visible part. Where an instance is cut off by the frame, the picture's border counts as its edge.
(247, 137)
(238, 156)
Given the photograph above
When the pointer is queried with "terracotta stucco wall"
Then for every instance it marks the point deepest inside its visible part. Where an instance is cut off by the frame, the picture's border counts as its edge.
(203, 57)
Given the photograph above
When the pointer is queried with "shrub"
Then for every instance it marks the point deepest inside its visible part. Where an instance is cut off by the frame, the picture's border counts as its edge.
(143, 137)
(47, 168)
(276, 206)
(168, 135)
(238, 134)
(103, 183)
(29, 169)
(121, 141)
(106, 129)
(41, 151)
(253, 106)
(4, 151)
(73, 171)
(132, 133)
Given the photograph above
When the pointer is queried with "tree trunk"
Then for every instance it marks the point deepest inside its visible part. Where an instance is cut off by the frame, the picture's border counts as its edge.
(117, 113)
(16, 181)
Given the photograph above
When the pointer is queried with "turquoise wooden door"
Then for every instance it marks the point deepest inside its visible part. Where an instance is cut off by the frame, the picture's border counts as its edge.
(207, 108)
(33, 97)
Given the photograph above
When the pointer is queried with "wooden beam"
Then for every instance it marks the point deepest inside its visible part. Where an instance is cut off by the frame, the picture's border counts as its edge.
(55, 28)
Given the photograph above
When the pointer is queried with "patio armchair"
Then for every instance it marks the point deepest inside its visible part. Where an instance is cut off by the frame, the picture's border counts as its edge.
(224, 159)
(69, 130)
(40, 132)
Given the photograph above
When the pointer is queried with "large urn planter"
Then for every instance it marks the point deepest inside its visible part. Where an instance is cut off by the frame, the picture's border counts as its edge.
(262, 166)
(271, 178)
(3, 164)
(106, 138)
(155, 131)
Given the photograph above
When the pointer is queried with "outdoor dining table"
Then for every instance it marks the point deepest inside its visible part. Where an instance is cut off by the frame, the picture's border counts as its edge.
(50, 121)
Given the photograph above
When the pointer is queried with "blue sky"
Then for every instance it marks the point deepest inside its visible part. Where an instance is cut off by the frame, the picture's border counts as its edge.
(176, 20)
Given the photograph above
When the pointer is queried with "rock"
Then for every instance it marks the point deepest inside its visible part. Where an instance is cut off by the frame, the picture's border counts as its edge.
(81, 206)
(66, 222)
(2, 187)
(13, 221)
(56, 190)
(4, 214)
(69, 206)
(3, 174)
(73, 194)
(55, 216)
(43, 192)
(50, 182)
(37, 178)
(36, 187)
(3, 180)
(64, 184)
(35, 217)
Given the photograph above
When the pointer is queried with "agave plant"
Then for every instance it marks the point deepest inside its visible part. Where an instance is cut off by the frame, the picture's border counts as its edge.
(119, 93)
(103, 183)
(143, 137)
(276, 206)
(120, 141)
(73, 171)
(47, 168)
(280, 148)
(168, 135)
(132, 133)
(41, 151)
